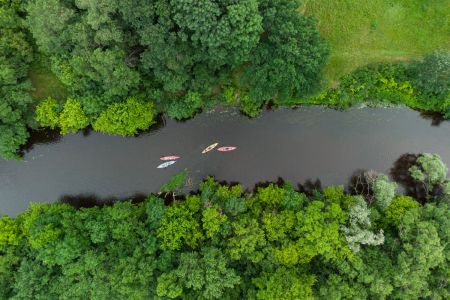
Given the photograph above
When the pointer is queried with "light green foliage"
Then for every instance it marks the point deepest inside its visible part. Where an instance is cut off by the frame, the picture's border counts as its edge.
(179, 227)
(125, 118)
(317, 228)
(47, 113)
(212, 219)
(72, 117)
(398, 208)
(185, 108)
(247, 240)
(10, 231)
(358, 232)
(383, 191)
(430, 170)
(271, 196)
(284, 284)
(278, 226)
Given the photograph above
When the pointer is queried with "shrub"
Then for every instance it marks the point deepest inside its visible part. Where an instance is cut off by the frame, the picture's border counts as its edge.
(47, 114)
(126, 118)
(432, 75)
(185, 108)
(249, 107)
(72, 118)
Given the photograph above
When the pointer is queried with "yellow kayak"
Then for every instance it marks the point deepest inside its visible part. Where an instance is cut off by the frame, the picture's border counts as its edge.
(210, 147)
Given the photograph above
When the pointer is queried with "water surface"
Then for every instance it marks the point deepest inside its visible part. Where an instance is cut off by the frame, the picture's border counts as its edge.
(307, 144)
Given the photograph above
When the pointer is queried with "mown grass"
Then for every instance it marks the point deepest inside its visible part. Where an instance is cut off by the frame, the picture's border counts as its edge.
(45, 83)
(373, 31)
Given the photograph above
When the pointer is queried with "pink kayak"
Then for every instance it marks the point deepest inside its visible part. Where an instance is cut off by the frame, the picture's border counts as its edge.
(173, 157)
(226, 149)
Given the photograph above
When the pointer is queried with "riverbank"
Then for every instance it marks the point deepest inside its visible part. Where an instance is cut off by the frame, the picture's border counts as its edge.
(274, 243)
(307, 144)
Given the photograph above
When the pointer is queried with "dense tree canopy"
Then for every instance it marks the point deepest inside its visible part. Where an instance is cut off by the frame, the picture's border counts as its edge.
(221, 243)
(112, 49)
(15, 102)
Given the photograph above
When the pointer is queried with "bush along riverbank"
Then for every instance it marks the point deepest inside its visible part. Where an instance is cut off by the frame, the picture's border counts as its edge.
(221, 243)
(422, 85)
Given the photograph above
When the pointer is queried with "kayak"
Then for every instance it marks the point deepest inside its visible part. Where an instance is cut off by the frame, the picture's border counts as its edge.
(166, 164)
(210, 147)
(226, 149)
(172, 157)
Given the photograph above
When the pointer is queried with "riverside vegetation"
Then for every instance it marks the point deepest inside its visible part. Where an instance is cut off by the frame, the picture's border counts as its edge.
(116, 65)
(221, 243)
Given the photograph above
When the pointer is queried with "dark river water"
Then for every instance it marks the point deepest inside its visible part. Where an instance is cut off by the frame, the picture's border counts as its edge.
(310, 144)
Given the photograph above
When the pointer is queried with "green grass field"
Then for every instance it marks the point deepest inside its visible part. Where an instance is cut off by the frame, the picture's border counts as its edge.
(371, 31)
(45, 83)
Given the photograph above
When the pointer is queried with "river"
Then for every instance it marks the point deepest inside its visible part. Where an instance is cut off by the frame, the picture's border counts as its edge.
(309, 144)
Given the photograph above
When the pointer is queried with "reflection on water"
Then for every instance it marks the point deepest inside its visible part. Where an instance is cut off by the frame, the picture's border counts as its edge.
(47, 136)
(310, 146)
(91, 200)
(436, 118)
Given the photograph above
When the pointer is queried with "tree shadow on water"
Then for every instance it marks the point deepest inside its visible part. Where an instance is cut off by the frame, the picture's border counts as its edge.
(400, 174)
(436, 118)
(359, 183)
(42, 136)
(92, 200)
(310, 187)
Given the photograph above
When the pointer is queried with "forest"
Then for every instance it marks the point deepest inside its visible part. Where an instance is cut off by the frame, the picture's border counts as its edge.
(114, 65)
(224, 243)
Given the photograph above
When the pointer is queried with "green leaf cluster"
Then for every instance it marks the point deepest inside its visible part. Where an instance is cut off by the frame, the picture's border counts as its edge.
(16, 54)
(125, 118)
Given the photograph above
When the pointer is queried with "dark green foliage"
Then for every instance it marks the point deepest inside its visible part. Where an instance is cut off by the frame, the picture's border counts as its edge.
(432, 75)
(186, 107)
(176, 183)
(222, 244)
(15, 102)
(107, 51)
(289, 57)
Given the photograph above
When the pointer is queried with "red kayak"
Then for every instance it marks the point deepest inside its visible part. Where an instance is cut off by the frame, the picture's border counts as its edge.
(226, 149)
(173, 157)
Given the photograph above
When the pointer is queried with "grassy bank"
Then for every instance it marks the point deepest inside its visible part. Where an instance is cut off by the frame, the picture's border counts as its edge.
(367, 32)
